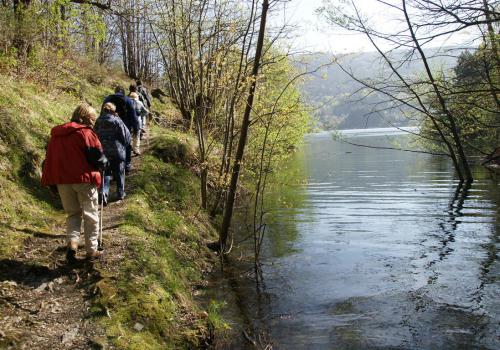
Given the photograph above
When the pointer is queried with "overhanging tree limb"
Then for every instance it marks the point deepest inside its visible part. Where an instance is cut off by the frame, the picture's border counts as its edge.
(464, 172)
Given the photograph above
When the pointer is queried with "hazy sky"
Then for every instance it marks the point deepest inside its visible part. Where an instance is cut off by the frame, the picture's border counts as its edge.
(314, 34)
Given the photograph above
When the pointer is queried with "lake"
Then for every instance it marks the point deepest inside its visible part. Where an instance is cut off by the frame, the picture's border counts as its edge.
(373, 249)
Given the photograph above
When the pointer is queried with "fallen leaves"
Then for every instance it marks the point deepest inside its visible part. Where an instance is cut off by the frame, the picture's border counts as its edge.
(69, 336)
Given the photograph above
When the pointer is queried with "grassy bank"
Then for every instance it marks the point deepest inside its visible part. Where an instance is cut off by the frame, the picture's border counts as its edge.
(147, 301)
(149, 304)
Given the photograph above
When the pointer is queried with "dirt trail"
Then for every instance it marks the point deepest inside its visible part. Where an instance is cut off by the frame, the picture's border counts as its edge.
(45, 303)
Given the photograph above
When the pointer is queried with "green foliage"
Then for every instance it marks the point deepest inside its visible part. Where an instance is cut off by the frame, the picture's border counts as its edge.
(473, 101)
(166, 184)
(26, 115)
(36, 39)
(214, 318)
(171, 148)
(280, 118)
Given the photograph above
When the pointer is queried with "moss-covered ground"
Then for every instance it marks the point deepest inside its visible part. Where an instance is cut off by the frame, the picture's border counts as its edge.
(166, 260)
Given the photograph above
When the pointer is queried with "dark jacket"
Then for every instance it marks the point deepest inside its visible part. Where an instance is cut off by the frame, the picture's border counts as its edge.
(114, 136)
(145, 95)
(125, 110)
(74, 155)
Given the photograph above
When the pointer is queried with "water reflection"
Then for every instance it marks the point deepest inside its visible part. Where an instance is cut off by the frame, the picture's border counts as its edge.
(369, 249)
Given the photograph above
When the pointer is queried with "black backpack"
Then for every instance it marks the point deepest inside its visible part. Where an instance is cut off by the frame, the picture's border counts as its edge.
(143, 96)
(121, 104)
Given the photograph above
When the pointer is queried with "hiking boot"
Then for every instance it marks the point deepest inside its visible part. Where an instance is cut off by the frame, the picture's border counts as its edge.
(71, 252)
(103, 200)
(96, 254)
(71, 256)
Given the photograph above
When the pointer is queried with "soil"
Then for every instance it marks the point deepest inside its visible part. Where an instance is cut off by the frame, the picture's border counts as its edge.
(45, 303)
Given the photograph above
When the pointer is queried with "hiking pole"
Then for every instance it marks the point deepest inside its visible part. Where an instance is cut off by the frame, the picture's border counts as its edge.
(148, 134)
(99, 246)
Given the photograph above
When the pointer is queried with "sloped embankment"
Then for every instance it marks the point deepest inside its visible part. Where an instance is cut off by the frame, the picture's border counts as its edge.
(142, 294)
(149, 301)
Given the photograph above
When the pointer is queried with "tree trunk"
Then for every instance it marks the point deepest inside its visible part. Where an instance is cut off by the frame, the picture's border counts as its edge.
(228, 213)
(464, 171)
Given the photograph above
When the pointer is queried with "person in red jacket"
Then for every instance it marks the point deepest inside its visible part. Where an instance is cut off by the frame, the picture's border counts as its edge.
(73, 160)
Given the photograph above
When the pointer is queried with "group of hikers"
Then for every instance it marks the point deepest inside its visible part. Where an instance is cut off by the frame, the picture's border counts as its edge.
(84, 154)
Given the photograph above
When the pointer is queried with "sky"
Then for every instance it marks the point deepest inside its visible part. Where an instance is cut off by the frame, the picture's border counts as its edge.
(313, 33)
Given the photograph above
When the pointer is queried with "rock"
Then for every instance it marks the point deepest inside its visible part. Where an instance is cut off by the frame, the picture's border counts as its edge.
(41, 287)
(45, 286)
(98, 343)
(138, 326)
(10, 283)
(69, 336)
(157, 93)
(59, 280)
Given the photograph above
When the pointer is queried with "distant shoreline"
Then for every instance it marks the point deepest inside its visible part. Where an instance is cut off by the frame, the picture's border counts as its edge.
(368, 131)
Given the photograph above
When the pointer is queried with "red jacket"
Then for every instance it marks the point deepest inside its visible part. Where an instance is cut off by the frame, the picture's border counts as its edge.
(67, 159)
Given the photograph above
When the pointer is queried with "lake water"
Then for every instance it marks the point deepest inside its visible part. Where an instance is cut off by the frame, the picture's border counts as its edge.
(374, 249)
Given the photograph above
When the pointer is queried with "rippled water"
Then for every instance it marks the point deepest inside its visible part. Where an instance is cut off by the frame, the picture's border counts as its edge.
(374, 249)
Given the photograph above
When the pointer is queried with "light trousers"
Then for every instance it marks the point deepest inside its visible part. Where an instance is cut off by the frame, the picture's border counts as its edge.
(80, 201)
(137, 142)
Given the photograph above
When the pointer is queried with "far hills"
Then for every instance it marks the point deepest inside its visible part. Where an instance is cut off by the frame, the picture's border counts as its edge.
(338, 102)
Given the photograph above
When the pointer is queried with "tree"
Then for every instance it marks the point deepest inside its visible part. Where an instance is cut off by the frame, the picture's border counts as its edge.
(204, 45)
(422, 22)
(245, 125)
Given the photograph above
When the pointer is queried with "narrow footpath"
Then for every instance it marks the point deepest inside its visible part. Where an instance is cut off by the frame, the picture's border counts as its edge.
(45, 303)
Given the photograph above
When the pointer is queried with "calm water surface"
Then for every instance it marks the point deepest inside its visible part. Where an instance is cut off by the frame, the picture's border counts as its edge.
(374, 249)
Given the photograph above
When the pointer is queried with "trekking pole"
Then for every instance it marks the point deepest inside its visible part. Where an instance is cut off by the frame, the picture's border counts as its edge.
(100, 214)
(148, 134)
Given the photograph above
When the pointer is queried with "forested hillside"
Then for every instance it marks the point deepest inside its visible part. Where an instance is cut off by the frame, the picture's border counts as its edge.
(339, 101)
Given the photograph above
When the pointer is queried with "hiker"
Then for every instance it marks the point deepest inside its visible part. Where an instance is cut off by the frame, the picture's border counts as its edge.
(115, 138)
(142, 113)
(133, 88)
(141, 89)
(73, 160)
(126, 111)
(140, 98)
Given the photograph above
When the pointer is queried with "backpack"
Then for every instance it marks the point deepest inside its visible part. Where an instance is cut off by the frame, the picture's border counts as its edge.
(143, 96)
(121, 104)
(136, 107)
